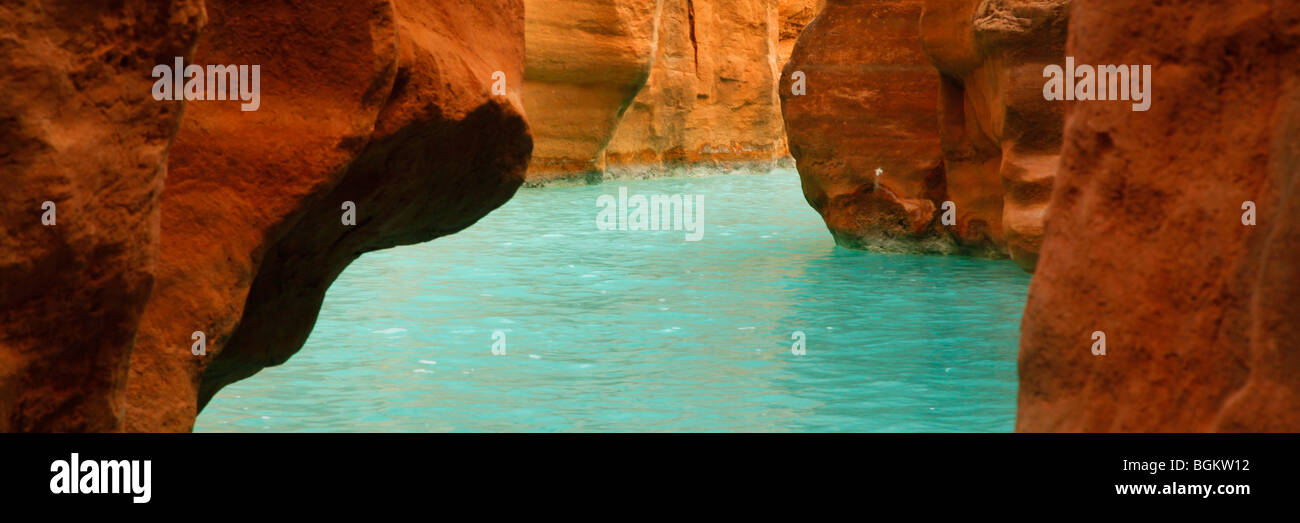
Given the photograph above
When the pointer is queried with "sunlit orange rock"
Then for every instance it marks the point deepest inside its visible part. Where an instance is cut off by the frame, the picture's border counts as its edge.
(587, 60)
(710, 104)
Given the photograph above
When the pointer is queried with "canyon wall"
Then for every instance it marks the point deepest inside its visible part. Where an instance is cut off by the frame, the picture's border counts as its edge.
(710, 102)
(79, 129)
(676, 86)
(586, 61)
(380, 106)
(942, 99)
(1147, 238)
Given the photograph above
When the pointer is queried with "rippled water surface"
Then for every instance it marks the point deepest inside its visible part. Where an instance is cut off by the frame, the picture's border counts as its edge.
(643, 331)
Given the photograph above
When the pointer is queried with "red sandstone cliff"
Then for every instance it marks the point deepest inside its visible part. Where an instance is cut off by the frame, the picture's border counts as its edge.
(945, 99)
(1145, 240)
(382, 103)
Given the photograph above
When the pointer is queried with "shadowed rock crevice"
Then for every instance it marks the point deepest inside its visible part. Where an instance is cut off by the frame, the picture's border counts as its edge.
(695, 43)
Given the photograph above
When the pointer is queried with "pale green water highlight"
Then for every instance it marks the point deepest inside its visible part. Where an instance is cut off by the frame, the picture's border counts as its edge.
(643, 331)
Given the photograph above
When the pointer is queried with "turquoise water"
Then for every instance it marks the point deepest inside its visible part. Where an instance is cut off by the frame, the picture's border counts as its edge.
(643, 331)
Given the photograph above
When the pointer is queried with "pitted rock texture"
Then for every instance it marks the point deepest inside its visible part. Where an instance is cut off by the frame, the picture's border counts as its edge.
(1145, 240)
(79, 128)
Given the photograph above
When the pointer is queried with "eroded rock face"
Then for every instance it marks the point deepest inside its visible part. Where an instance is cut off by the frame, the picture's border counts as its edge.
(944, 98)
(79, 128)
(385, 104)
(1145, 240)
(871, 103)
(587, 60)
(1001, 138)
(710, 103)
